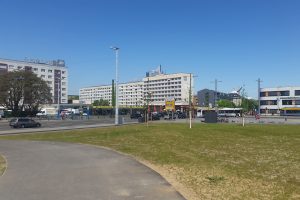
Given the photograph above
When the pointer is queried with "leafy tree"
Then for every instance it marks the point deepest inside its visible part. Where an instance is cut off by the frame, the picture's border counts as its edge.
(206, 99)
(101, 102)
(23, 91)
(249, 104)
(224, 103)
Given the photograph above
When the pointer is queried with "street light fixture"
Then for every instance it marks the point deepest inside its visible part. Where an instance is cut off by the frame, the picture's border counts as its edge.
(116, 49)
(58, 95)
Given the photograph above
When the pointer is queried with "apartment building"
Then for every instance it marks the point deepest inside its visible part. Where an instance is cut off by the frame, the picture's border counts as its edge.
(130, 94)
(280, 100)
(153, 90)
(159, 87)
(55, 73)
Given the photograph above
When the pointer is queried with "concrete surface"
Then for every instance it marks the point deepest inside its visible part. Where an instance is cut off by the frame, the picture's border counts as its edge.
(60, 171)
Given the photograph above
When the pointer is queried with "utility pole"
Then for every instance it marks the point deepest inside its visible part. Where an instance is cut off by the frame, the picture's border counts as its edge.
(148, 99)
(116, 49)
(216, 94)
(258, 95)
(190, 100)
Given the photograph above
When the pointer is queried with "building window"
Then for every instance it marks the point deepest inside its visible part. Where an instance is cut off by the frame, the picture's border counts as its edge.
(284, 93)
(297, 92)
(42, 76)
(49, 71)
(49, 76)
(297, 102)
(262, 94)
(287, 102)
(273, 102)
(272, 93)
(262, 103)
(43, 70)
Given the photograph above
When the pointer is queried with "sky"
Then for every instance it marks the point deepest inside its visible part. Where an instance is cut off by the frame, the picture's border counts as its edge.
(234, 41)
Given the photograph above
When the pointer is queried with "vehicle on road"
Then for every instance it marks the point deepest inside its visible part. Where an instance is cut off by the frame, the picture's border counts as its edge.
(155, 117)
(230, 112)
(169, 116)
(23, 123)
(181, 115)
(135, 115)
(47, 112)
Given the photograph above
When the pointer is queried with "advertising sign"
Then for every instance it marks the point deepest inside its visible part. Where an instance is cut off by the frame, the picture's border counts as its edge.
(170, 104)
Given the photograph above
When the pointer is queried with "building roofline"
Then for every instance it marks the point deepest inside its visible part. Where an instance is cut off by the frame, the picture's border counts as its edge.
(110, 84)
(31, 62)
(279, 87)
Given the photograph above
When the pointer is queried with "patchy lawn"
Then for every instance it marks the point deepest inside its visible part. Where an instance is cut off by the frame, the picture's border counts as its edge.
(210, 161)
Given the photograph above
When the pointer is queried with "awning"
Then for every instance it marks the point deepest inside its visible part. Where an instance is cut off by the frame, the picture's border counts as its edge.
(290, 109)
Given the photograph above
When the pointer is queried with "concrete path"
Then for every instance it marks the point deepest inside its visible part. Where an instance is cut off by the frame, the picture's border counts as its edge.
(60, 171)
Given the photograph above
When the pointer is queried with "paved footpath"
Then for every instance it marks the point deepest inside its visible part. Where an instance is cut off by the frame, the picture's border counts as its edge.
(60, 171)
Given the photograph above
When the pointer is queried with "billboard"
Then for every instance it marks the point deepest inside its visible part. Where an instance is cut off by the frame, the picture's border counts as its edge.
(170, 104)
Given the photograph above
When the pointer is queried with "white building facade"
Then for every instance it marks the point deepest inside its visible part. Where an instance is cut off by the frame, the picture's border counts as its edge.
(55, 73)
(280, 101)
(161, 87)
(130, 94)
(153, 90)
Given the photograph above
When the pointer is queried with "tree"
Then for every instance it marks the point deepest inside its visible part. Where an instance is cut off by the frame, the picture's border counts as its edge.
(224, 103)
(101, 102)
(206, 99)
(23, 91)
(249, 104)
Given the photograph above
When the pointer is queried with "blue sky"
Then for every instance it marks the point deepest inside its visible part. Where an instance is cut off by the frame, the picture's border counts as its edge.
(235, 41)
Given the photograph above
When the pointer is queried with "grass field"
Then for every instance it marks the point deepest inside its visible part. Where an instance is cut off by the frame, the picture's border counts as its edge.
(210, 161)
(2, 165)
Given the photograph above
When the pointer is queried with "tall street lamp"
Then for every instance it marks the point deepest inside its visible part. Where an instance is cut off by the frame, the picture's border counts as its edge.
(58, 96)
(116, 49)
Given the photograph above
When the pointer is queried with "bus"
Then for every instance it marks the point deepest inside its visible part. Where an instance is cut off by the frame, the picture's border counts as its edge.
(230, 112)
(202, 110)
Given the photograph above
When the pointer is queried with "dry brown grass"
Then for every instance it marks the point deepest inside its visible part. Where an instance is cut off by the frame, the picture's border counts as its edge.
(2, 165)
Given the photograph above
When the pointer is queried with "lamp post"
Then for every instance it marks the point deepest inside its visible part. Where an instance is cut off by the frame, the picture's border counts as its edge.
(58, 95)
(116, 49)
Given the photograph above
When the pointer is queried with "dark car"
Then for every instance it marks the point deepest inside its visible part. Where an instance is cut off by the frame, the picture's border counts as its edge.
(155, 117)
(169, 116)
(135, 115)
(23, 123)
(181, 115)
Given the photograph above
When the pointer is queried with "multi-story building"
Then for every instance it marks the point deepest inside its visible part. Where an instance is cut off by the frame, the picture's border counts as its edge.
(130, 94)
(55, 73)
(160, 87)
(208, 98)
(154, 89)
(280, 100)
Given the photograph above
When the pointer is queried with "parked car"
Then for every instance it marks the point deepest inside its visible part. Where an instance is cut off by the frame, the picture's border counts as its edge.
(181, 115)
(135, 115)
(155, 117)
(23, 123)
(169, 116)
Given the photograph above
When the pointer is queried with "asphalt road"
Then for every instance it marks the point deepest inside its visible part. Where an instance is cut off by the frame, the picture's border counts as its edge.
(51, 170)
(52, 124)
